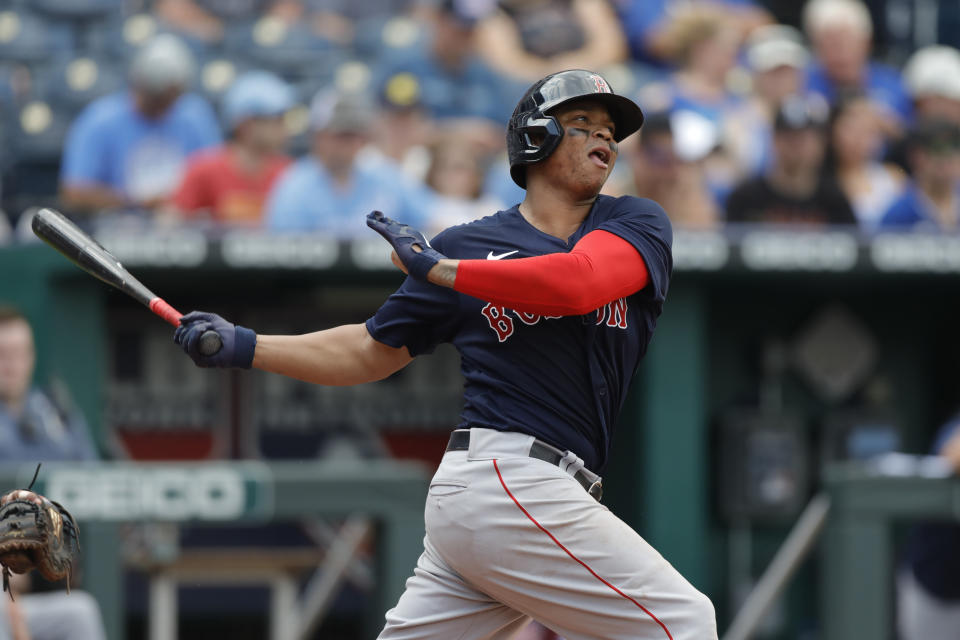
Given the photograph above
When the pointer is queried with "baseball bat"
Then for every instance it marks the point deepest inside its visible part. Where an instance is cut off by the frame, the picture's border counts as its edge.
(64, 236)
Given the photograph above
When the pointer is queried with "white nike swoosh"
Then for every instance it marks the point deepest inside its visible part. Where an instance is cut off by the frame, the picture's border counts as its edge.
(491, 256)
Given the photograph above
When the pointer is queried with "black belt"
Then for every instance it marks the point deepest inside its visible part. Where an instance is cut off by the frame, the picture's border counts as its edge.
(460, 441)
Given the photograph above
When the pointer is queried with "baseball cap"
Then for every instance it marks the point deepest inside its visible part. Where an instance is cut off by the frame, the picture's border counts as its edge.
(801, 112)
(256, 94)
(401, 90)
(341, 112)
(163, 62)
(776, 45)
(933, 71)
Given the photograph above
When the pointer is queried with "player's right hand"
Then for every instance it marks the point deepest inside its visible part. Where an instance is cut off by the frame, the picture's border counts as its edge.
(238, 347)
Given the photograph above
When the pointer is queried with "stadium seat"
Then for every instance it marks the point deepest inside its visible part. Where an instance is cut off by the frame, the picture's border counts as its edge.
(377, 37)
(73, 83)
(291, 51)
(78, 9)
(38, 131)
(235, 9)
(25, 37)
(34, 142)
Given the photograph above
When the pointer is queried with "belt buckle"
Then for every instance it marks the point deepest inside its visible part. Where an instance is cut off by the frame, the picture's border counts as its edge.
(596, 490)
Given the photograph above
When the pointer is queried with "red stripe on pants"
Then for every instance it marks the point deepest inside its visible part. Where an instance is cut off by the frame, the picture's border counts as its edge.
(567, 551)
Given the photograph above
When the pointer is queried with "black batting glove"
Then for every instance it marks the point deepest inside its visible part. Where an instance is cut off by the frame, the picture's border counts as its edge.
(403, 239)
(239, 342)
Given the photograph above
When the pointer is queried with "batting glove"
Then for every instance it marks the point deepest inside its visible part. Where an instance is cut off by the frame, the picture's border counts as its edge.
(403, 239)
(238, 342)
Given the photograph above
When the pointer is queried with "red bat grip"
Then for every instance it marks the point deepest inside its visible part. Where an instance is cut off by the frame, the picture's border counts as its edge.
(160, 307)
(210, 342)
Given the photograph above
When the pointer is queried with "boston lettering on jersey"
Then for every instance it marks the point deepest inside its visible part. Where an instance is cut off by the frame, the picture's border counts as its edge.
(500, 320)
(561, 379)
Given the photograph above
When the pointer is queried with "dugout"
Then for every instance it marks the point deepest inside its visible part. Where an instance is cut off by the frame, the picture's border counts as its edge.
(777, 353)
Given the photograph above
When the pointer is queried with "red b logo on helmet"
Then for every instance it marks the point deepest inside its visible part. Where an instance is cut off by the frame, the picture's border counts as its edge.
(602, 86)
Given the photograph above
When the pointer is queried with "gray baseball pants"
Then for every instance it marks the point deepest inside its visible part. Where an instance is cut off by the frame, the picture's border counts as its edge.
(511, 538)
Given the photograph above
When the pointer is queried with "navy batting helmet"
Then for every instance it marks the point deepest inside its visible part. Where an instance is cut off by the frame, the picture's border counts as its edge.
(533, 134)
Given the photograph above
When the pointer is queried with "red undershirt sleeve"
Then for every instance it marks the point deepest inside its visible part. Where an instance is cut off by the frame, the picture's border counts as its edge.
(600, 268)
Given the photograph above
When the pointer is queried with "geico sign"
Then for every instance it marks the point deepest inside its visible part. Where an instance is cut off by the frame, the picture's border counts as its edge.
(151, 493)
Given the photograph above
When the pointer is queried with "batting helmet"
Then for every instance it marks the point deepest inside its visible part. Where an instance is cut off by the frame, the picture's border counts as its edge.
(533, 133)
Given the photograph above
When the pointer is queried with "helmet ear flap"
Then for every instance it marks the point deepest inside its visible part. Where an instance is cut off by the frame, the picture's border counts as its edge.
(542, 134)
(533, 139)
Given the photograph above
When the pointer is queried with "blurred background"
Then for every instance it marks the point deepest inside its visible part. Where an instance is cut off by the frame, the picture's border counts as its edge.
(791, 441)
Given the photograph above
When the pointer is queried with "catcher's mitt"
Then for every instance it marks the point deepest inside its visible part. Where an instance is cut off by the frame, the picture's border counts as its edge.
(36, 533)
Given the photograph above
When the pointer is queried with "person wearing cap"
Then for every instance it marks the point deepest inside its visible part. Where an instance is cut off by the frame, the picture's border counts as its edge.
(794, 191)
(128, 150)
(660, 171)
(230, 183)
(404, 128)
(840, 32)
(931, 201)
(334, 186)
(776, 57)
(454, 82)
(932, 76)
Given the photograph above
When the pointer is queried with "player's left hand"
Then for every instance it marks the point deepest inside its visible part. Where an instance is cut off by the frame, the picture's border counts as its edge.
(411, 247)
(239, 343)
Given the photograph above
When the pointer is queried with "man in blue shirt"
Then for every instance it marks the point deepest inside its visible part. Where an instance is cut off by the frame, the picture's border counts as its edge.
(32, 426)
(333, 187)
(454, 81)
(840, 32)
(931, 201)
(35, 428)
(128, 150)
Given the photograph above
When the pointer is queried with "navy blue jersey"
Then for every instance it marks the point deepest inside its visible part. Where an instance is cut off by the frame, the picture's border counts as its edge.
(562, 380)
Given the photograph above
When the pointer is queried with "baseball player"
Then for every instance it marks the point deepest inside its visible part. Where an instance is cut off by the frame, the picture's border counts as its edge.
(551, 305)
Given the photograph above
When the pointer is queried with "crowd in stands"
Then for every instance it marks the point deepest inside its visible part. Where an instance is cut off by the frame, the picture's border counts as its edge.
(304, 115)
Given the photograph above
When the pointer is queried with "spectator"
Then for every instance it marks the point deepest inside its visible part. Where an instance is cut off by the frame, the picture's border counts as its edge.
(403, 130)
(231, 183)
(528, 39)
(51, 615)
(932, 76)
(332, 189)
(776, 56)
(456, 178)
(794, 190)
(337, 20)
(34, 426)
(928, 590)
(840, 32)
(191, 19)
(455, 83)
(705, 50)
(658, 172)
(127, 150)
(930, 200)
(855, 143)
(649, 23)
